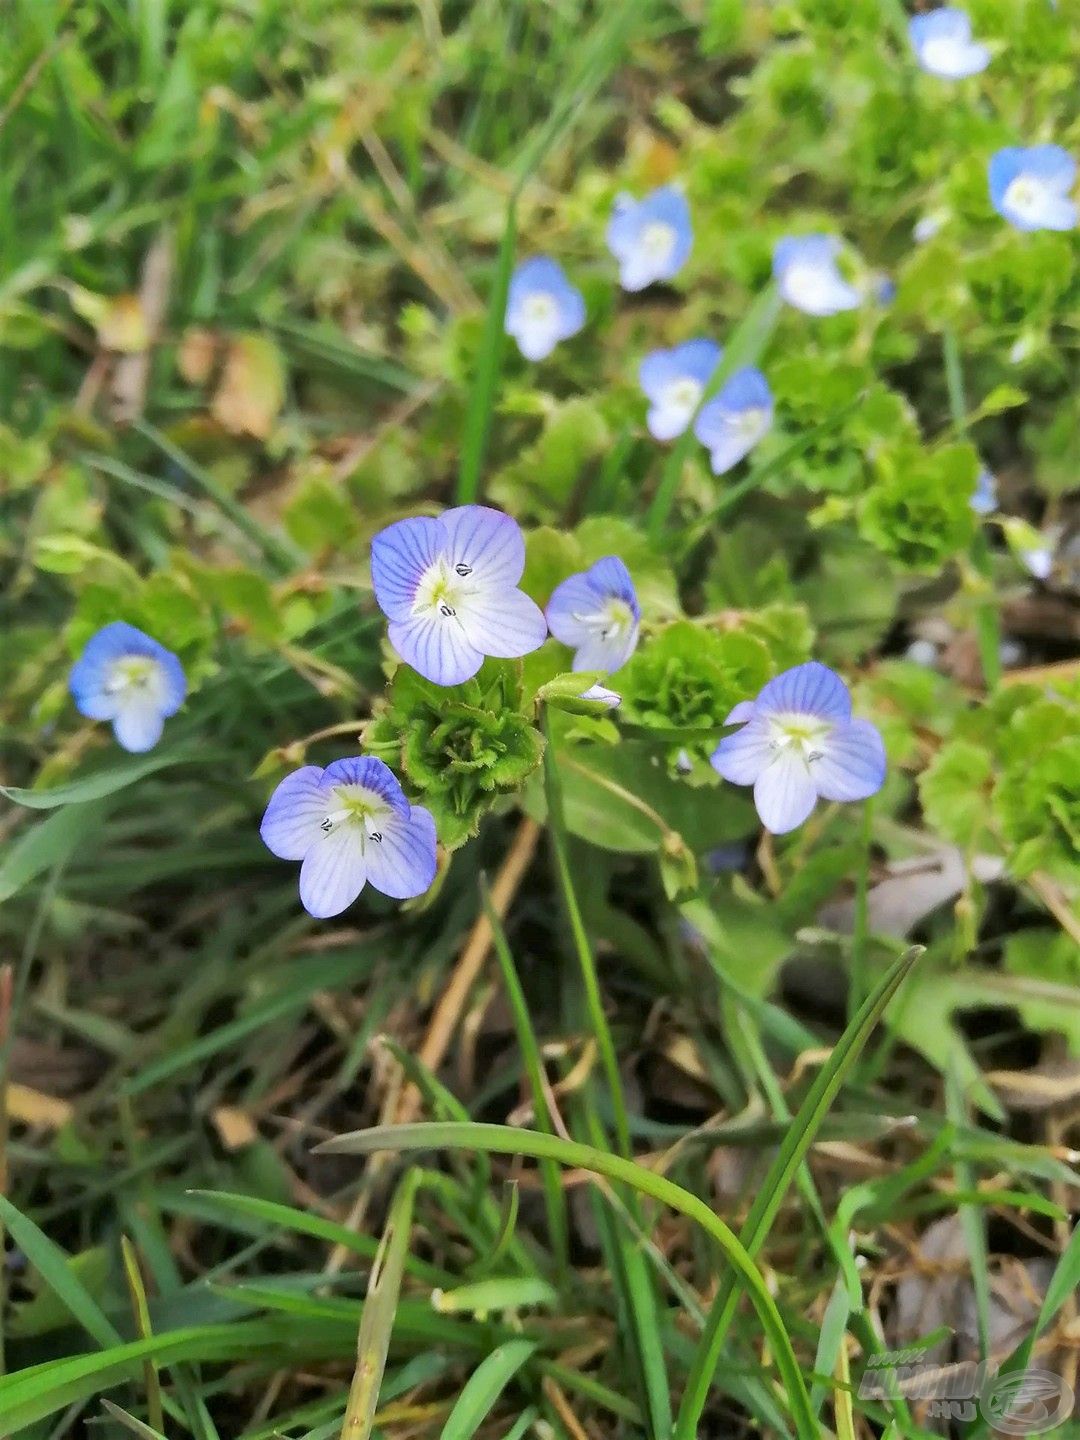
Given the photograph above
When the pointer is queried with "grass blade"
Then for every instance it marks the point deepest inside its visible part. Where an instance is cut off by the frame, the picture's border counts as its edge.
(52, 1264)
(775, 1186)
(483, 1388)
(502, 1140)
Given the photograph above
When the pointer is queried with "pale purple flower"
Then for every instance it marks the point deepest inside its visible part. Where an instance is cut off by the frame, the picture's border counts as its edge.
(984, 500)
(809, 278)
(650, 238)
(542, 307)
(674, 382)
(601, 695)
(596, 612)
(449, 590)
(350, 825)
(1030, 188)
(943, 45)
(797, 742)
(735, 419)
(125, 676)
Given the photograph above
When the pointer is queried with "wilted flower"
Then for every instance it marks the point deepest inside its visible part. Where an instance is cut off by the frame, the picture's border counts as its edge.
(350, 824)
(1030, 188)
(650, 238)
(125, 676)
(798, 742)
(449, 590)
(806, 270)
(735, 419)
(542, 307)
(596, 613)
(943, 45)
(674, 382)
(984, 501)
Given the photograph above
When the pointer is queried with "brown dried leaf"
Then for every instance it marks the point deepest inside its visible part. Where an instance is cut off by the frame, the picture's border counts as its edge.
(252, 388)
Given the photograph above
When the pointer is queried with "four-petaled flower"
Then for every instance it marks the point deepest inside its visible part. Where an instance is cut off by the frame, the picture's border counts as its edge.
(805, 268)
(125, 676)
(674, 382)
(650, 238)
(734, 420)
(542, 307)
(350, 824)
(1030, 188)
(943, 45)
(449, 590)
(596, 612)
(798, 742)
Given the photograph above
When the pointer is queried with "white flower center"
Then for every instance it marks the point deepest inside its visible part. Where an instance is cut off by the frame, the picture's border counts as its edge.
(538, 309)
(1025, 195)
(753, 423)
(944, 52)
(805, 734)
(812, 285)
(613, 620)
(683, 395)
(658, 241)
(442, 589)
(134, 677)
(360, 808)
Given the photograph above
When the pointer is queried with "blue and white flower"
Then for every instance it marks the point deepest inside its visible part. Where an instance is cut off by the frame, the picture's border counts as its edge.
(1030, 187)
(984, 500)
(674, 382)
(350, 825)
(449, 590)
(596, 613)
(735, 419)
(125, 676)
(650, 238)
(542, 307)
(798, 742)
(943, 45)
(806, 270)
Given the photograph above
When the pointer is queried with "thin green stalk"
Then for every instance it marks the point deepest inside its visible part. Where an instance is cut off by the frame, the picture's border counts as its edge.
(987, 622)
(861, 926)
(503, 1140)
(586, 960)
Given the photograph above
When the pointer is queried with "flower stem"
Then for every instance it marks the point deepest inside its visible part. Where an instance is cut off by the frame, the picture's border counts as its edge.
(586, 959)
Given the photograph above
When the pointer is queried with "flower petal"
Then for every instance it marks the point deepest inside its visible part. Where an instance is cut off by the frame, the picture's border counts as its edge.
(570, 602)
(810, 689)
(852, 763)
(436, 647)
(333, 872)
(607, 653)
(503, 623)
(371, 774)
(784, 792)
(138, 723)
(400, 556)
(402, 863)
(290, 823)
(488, 542)
(742, 757)
(94, 669)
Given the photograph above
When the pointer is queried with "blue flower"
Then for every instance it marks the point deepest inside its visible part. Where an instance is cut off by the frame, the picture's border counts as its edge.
(650, 238)
(542, 307)
(597, 614)
(734, 420)
(449, 590)
(1030, 188)
(126, 677)
(985, 499)
(797, 742)
(674, 382)
(806, 270)
(943, 45)
(350, 824)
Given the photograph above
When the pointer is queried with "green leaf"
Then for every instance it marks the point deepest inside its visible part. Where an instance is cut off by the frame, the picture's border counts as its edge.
(55, 1268)
(44, 845)
(484, 1386)
(100, 783)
